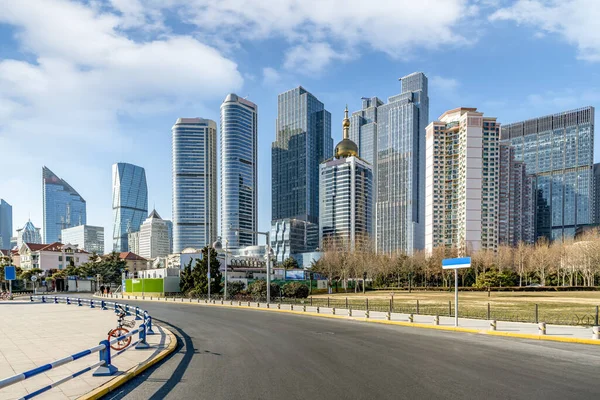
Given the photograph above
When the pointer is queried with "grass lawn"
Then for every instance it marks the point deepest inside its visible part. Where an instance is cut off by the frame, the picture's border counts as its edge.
(568, 308)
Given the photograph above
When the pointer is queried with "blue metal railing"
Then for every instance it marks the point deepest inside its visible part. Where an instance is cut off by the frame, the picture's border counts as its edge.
(104, 366)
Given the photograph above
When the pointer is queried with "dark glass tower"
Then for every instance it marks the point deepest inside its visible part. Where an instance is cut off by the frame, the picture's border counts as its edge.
(129, 202)
(559, 151)
(63, 206)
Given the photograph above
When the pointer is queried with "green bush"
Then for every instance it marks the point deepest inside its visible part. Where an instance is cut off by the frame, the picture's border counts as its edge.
(494, 278)
(234, 288)
(258, 289)
(296, 290)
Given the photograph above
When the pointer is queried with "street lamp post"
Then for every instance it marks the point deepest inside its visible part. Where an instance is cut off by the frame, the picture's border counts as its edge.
(267, 254)
(217, 247)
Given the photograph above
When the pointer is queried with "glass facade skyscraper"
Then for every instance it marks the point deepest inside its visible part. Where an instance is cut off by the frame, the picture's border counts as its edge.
(559, 150)
(6, 226)
(194, 168)
(28, 234)
(63, 206)
(391, 136)
(303, 141)
(239, 129)
(129, 202)
(86, 237)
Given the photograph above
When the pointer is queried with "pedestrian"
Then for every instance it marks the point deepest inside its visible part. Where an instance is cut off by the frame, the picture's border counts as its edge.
(102, 289)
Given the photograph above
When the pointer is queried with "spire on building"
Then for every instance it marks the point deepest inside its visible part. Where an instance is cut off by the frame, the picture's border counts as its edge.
(346, 148)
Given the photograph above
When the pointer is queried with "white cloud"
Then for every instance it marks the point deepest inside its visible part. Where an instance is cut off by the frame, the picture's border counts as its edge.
(271, 76)
(86, 66)
(395, 27)
(311, 58)
(575, 20)
(442, 84)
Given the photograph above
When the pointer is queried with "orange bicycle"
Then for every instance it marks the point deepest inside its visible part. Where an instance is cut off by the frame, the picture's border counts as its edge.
(120, 330)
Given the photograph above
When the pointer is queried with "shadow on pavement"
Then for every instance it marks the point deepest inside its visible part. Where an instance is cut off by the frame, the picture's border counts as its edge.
(161, 393)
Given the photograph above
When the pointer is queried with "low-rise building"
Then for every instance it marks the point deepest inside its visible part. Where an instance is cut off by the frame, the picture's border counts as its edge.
(133, 262)
(51, 256)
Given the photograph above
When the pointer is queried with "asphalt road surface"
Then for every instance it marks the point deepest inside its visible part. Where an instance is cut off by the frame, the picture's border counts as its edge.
(243, 354)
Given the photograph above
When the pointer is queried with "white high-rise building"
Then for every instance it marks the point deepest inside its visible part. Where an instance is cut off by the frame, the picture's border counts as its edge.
(461, 181)
(86, 237)
(345, 198)
(194, 183)
(154, 237)
(239, 130)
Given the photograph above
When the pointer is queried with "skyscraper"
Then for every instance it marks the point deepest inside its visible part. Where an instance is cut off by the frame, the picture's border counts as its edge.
(28, 234)
(6, 227)
(516, 206)
(129, 202)
(194, 171)
(239, 130)
(391, 136)
(345, 198)
(63, 206)
(303, 140)
(559, 150)
(461, 184)
(86, 237)
(154, 237)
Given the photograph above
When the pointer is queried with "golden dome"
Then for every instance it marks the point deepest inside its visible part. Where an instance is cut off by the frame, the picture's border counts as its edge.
(346, 148)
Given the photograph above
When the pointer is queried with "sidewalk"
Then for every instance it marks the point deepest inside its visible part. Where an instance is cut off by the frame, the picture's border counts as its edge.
(34, 334)
(561, 333)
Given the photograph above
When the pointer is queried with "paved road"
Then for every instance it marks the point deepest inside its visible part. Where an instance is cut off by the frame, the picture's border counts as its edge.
(228, 354)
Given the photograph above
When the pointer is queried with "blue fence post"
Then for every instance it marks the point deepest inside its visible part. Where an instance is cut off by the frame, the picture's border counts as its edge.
(102, 305)
(116, 308)
(127, 309)
(107, 368)
(149, 330)
(79, 302)
(92, 303)
(55, 300)
(142, 344)
(137, 314)
(68, 300)
(43, 299)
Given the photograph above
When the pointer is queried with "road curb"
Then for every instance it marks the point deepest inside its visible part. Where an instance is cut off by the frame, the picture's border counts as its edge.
(132, 372)
(401, 323)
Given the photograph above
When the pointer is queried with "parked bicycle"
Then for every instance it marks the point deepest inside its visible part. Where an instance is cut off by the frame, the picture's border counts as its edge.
(120, 330)
(5, 296)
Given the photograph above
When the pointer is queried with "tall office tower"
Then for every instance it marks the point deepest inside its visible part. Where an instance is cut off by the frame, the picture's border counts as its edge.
(194, 183)
(28, 234)
(302, 142)
(170, 228)
(391, 137)
(6, 227)
(63, 206)
(559, 150)
(239, 130)
(516, 206)
(154, 237)
(129, 202)
(462, 171)
(597, 193)
(345, 184)
(86, 237)
(133, 241)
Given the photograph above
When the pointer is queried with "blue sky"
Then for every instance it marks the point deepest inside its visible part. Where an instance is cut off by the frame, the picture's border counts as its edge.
(84, 84)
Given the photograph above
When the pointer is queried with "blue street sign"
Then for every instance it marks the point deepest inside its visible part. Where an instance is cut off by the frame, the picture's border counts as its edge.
(452, 263)
(10, 273)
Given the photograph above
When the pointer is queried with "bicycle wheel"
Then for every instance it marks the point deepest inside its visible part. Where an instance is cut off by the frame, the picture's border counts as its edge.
(120, 344)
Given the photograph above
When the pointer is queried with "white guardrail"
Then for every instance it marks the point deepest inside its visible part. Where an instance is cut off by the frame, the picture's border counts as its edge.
(104, 366)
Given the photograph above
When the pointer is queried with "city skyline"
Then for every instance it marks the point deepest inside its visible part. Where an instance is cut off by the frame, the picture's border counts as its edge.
(131, 110)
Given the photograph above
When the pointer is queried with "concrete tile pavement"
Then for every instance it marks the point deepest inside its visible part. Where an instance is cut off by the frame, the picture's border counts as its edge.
(34, 334)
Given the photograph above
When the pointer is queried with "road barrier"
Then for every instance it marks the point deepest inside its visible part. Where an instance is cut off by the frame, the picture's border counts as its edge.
(104, 366)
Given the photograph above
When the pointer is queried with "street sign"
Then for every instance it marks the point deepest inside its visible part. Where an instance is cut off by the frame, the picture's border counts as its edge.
(10, 273)
(33, 278)
(453, 263)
